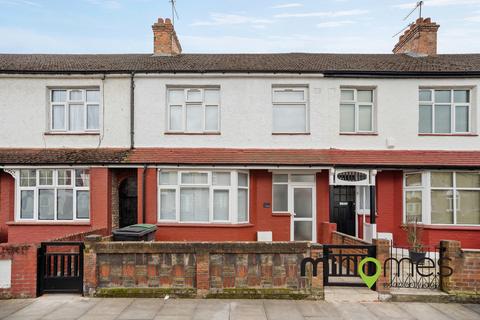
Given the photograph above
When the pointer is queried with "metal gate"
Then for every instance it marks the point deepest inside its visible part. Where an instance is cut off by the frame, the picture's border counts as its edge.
(60, 267)
(340, 264)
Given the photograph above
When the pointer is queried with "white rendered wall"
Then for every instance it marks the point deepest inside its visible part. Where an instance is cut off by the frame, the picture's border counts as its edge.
(24, 113)
(246, 114)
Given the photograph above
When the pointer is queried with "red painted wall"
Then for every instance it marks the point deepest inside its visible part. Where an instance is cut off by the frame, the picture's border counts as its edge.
(261, 219)
(390, 216)
(7, 198)
(100, 213)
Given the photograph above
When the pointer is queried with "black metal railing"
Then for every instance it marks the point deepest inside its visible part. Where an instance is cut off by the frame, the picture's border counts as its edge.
(415, 270)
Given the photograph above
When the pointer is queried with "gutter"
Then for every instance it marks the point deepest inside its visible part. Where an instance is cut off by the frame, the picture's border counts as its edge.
(132, 110)
(326, 73)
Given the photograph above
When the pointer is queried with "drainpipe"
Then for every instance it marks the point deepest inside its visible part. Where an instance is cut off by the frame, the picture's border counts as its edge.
(132, 110)
(144, 173)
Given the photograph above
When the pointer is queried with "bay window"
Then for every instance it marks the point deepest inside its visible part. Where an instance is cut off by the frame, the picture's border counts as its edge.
(444, 111)
(203, 196)
(290, 112)
(356, 111)
(74, 110)
(53, 194)
(443, 197)
(193, 110)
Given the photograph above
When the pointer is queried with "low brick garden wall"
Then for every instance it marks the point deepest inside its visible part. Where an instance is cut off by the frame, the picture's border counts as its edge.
(205, 270)
(21, 280)
(464, 281)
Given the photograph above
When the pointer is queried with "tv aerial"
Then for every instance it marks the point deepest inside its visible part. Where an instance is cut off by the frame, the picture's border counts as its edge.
(417, 6)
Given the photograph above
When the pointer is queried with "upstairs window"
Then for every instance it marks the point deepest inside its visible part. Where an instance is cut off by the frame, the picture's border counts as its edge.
(74, 110)
(356, 111)
(53, 194)
(290, 113)
(193, 110)
(444, 111)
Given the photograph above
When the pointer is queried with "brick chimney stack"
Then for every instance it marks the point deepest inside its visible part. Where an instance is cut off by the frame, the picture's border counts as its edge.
(165, 41)
(420, 38)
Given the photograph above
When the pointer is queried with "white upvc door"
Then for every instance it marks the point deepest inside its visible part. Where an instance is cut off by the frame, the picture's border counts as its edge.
(303, 210)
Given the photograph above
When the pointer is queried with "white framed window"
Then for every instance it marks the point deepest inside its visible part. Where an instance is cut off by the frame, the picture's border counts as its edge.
(357, 112)
(280, 188)
(363, 199)
(444, 111)
(53, 194)
(193, 110)
(203, 196)
(442, 197)
(75, 110)
(290, 110)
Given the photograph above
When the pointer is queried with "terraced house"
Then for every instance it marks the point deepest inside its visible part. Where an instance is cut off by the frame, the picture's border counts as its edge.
(224, 147)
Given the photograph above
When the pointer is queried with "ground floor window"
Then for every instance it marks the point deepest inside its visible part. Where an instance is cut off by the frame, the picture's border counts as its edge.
(442, 197)
(203, 196)
(53, 194)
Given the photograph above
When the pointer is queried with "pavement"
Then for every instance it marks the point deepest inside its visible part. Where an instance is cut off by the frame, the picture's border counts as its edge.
(339, 304)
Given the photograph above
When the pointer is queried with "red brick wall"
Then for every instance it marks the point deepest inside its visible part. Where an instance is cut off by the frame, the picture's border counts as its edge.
(465, 266)
(24, 270)
(100, 212)
(200, 269)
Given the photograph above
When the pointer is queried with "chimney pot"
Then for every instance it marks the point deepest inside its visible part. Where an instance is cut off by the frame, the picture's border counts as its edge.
(165, 41)
(419, 39)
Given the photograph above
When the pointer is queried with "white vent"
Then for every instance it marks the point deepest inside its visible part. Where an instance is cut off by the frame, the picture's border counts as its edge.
(264, 235)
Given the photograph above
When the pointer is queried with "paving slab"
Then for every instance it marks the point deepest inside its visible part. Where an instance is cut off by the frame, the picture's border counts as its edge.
(354, 311)
(37, 309)
(350, 294)
(456, 311)
(317, 310)
(423, 311)
(8, 307)
(72, 309)
(247, 309)
(387, 310)
(178, 307)
(473, 307)
(141, 309)
(282, 310)
(212, 310)
(107, 309)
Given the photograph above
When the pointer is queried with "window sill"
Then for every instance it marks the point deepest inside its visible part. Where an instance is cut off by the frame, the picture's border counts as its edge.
(451, 227)
(281, 214)
(448, 135)
(48, 223)
(358, 134)
(71, 133)
(290, 133)
(193, 133)
(204, 225)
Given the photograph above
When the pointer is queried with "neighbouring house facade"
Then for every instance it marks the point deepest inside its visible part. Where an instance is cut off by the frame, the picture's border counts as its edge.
(226, 147)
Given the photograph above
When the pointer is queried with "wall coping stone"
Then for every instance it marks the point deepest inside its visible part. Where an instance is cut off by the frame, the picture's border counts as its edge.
(194, 247)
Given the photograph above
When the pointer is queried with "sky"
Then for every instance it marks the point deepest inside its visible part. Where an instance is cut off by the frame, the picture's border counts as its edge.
(225, 26)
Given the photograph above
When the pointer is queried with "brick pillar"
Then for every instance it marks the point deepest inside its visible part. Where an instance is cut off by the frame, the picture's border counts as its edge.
(383, 253)
(451, 254)
(90, 279)
(318, 293)
(203, 273)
